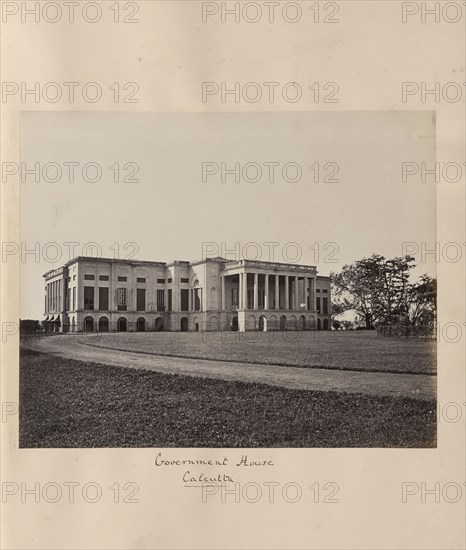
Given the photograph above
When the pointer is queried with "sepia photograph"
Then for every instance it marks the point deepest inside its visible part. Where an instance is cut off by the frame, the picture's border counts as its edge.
(227, 280)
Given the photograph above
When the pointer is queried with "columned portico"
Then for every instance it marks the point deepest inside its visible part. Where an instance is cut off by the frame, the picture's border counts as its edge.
(268, 296)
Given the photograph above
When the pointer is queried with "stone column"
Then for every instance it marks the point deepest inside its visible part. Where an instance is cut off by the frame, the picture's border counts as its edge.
(313, 293)
(240, 291)
(223, 293)
(287, 292)
(266, 292)
(296, 293)
(256, 291)
(306, 287)
(277, 291)
(245, 290)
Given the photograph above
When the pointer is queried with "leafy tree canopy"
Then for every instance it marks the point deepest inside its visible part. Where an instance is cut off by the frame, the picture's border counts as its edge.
(378, 289)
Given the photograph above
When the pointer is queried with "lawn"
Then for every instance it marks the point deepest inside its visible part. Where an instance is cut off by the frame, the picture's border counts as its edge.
(350, 350)
(67, 403)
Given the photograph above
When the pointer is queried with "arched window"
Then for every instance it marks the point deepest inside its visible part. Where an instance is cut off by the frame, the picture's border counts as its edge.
(103, 324)
(88, 325)
(141, 324)
(184, 324)
(262, 323)
(122, 325)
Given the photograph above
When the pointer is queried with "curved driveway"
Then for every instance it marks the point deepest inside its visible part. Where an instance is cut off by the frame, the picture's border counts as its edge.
(407, 385)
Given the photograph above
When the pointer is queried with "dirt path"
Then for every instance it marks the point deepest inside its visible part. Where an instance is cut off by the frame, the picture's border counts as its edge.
(407, 385)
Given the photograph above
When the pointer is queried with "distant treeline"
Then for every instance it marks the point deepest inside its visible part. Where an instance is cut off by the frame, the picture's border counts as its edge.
(27, 326)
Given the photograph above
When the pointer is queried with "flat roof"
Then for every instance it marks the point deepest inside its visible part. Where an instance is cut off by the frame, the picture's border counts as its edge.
(114, 260)
(263, 263)
(231, 264)
(52, 272)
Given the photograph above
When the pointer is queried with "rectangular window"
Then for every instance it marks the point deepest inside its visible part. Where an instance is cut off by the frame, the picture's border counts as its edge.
(121, 299)
(161, 281)
(250, 298)
(103, 277)
(318, 305)
(235, 297)
(184, 280)
(74, 299)
(261, 293)
(170, 280)
(141, 299)
(141, 279)
(88, 277)
(89, 297)
(325, 291)
(67, 303)
(317, 289)
(160, 300)
(103, 298)
(197, 300)
(184, 299)
(169, 299)
(325, 306)
(122, 279)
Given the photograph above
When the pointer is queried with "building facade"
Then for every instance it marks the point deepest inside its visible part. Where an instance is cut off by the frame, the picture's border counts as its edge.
(102, 295)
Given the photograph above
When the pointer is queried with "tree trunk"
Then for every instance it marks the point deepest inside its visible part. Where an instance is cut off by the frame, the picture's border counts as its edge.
(368, 321)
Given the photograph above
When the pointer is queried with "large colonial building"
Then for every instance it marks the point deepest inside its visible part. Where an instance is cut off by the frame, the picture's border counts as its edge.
(100, 294)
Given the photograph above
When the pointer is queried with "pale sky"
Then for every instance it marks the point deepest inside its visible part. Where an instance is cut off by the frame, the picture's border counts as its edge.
(171, 212)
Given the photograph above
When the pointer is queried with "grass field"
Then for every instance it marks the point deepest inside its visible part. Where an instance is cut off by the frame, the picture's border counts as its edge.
(67, 403)
(354, 350)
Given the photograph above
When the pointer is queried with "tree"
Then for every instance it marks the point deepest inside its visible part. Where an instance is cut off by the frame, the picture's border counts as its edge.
(376, 288)
(422, 303)
(29, 325)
